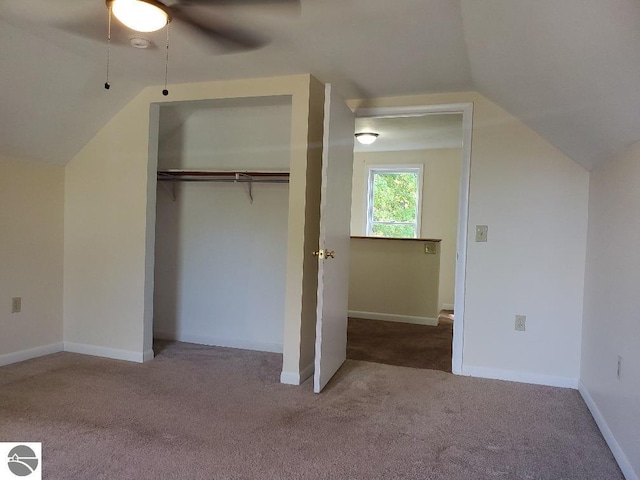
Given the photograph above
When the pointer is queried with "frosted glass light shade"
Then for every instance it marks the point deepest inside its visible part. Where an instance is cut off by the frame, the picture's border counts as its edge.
(366, 138)
(140, 15)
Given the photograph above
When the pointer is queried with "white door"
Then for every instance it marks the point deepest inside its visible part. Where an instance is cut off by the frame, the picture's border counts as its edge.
(334, 245)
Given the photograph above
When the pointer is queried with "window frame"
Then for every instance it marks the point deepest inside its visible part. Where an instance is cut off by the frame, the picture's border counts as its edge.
(370, 172)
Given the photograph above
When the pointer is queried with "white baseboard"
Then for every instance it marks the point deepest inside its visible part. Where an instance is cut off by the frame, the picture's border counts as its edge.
(297, 378)
(447, 306)
(522, 377)
(290, 378)
(220, 342)
(388, 317)
(22, 355)
(106, 352)
(148, 355)
(621, 458)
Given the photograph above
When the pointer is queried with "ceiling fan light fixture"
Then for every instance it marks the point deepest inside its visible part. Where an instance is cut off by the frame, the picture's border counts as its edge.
(140, 15)
(366, 138)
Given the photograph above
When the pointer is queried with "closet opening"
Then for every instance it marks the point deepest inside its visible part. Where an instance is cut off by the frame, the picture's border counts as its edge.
(222, 222)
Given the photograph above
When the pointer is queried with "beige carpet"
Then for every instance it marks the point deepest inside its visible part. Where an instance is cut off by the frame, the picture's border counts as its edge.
(211, 413)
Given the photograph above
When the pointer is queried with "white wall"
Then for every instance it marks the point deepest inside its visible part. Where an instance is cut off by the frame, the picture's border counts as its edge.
(31, 243)
(439, 219)
(534, 200)
(230, 135)
(220, 260)
(611, 320)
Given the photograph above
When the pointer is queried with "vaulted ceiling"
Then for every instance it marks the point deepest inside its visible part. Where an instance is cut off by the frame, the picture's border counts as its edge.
(569, 69)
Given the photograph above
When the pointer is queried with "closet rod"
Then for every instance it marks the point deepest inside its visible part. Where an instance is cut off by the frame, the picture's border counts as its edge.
(224, 176)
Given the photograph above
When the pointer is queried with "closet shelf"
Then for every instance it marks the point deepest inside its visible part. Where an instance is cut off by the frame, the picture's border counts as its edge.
(248, 178)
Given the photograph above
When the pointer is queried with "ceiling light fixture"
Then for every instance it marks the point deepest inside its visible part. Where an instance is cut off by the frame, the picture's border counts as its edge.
(140, 15)
(366, 138)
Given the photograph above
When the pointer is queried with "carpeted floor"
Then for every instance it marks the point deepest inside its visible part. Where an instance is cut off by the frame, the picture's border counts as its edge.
(198, 412)
(402, 344)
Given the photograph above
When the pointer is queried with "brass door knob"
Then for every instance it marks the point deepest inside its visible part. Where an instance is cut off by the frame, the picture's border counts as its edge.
(322, 254)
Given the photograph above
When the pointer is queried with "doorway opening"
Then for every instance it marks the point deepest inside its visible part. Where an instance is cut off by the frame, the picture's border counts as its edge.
(409, 229)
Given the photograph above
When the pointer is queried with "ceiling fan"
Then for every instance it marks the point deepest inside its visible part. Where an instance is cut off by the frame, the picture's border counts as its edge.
(205, 18)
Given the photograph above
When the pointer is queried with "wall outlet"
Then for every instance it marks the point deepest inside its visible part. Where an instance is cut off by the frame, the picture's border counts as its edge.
(521, 323)
(482, 232)
(16, 304)
(619, 372)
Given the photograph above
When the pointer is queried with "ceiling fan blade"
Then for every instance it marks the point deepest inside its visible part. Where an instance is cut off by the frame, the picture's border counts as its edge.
(217, 33)
(96, 28)
(212, 3)
(286, 7)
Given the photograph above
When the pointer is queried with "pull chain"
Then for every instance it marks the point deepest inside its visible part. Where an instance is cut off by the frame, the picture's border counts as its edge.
(107, 85)
(165, 92)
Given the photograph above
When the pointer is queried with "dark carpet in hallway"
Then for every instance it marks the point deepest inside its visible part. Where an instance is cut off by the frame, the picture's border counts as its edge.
(401, 344)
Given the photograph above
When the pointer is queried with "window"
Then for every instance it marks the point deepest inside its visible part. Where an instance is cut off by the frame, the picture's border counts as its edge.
(393, 201)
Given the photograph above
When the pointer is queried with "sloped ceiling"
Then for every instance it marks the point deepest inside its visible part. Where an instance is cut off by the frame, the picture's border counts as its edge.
(570, 69)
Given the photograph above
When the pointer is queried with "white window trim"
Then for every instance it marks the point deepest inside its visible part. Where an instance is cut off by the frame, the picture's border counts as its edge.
(410, 168)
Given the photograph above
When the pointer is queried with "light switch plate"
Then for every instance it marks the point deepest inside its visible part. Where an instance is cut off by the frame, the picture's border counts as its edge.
(16, 304)
(482, 231)
(430, 248)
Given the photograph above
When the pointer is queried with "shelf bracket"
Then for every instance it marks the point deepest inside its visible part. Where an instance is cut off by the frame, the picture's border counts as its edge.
(171, 190)
(249, 181)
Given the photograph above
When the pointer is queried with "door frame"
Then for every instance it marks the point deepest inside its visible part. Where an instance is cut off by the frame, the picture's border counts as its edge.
(466, 109)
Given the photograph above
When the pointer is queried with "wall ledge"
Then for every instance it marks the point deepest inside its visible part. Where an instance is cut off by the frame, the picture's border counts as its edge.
(220, 341)
(614, 446)
(390, 317)
(22, 355)
(522, 377)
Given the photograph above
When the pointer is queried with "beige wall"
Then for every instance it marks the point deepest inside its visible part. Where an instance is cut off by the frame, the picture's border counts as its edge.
(534, 200)
(439, 210)
(110, 219)
(31, 215)
(395, 278)
(611, 322)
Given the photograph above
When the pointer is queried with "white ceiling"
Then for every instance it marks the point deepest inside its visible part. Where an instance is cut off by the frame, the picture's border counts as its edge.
(570, 69)
(411, 133)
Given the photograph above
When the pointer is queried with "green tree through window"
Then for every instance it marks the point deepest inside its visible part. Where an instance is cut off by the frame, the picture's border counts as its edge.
(393, 206)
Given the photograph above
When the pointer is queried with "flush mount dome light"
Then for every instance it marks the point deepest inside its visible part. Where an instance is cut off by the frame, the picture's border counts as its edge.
(366, 138)
(140, 15)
